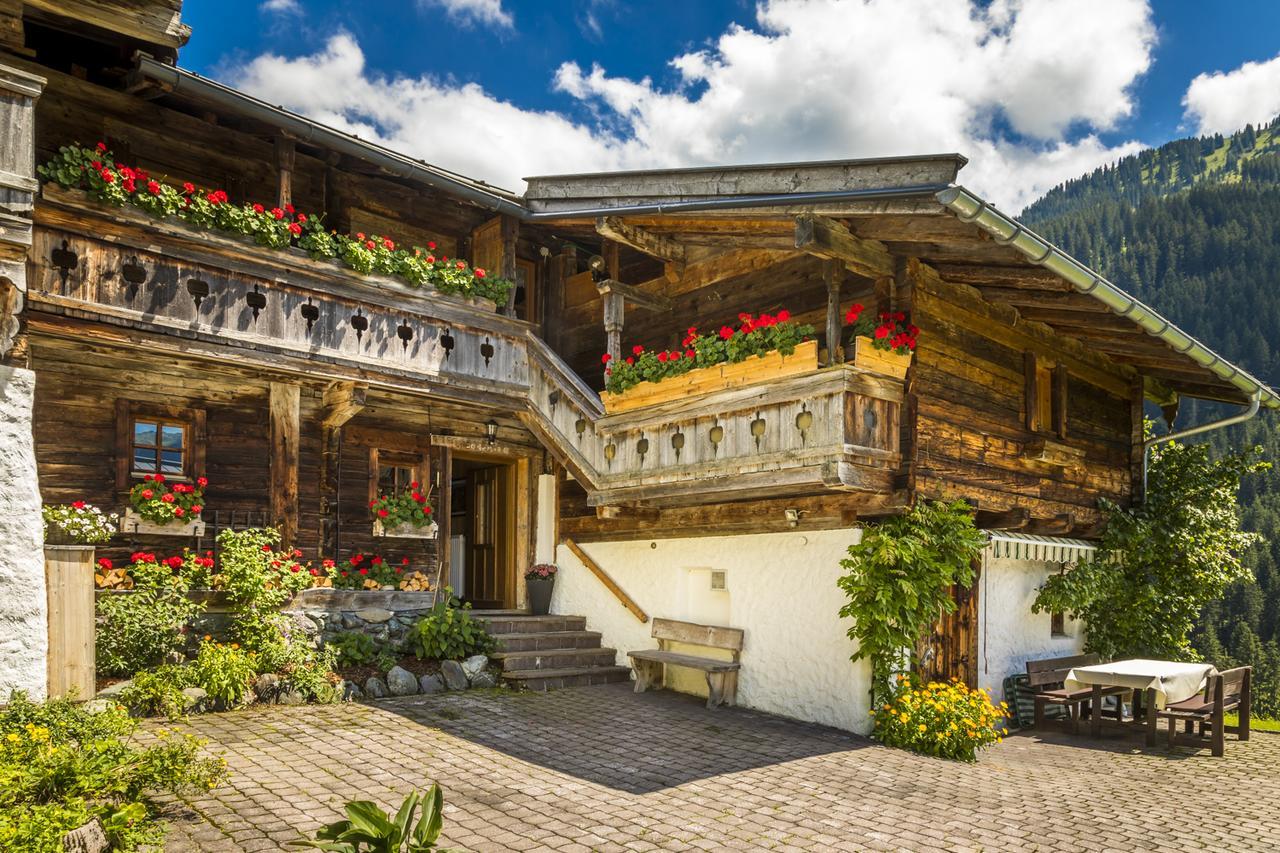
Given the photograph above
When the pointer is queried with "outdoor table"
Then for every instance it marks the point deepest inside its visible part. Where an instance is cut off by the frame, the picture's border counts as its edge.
(1161, 682)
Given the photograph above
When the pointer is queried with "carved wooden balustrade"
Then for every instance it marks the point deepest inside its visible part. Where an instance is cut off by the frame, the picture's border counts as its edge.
(211, 296)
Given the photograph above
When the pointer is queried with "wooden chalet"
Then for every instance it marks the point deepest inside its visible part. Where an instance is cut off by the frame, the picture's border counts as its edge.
(301, 388)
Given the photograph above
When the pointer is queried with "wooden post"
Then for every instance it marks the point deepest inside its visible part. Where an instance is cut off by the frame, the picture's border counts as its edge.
(510, 232)
(285, 406)
(614, 314)
(832, 274)
(285, 153)
(444, 517)
(68, 573)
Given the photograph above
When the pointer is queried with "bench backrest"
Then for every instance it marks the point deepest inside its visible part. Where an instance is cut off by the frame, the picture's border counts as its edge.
(1054, 670)
(712, 636)
(1235, 684)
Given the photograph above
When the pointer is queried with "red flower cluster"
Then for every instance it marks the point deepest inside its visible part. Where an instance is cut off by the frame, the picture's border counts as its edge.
(156, 501)
(892, 331)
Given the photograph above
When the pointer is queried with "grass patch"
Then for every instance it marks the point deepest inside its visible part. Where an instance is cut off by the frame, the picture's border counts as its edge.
(1255, 724)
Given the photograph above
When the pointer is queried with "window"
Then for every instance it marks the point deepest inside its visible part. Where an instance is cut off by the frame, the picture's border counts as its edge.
(1057, 625)
(159, 447)
(1046, 395)
(395, 479)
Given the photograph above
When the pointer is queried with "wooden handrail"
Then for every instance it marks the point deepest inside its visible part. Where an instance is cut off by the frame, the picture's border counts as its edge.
(627, 601)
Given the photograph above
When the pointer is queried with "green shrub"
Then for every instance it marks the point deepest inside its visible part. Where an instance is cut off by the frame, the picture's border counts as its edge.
(367, 827)
(159, 691)
(354, 648)
(947, 720)
(61, 765)
(139, 629)
(448, 632)
(225, 671)
(310, 672)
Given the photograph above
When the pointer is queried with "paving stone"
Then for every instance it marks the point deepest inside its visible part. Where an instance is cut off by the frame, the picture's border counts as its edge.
(602, 768)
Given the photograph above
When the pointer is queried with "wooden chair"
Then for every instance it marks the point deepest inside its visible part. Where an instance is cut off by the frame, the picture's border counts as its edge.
(1046, 677)
(1223, 692)
(722, 675)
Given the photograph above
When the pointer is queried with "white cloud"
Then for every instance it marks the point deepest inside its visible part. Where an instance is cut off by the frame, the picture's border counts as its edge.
(488, 12)
(280, 7)
(1016, 85)
(1225, 102)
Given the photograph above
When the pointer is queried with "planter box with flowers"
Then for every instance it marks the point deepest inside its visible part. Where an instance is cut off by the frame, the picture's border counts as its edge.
(163, 509)
(96, 173)
(881, 345)
(404, 516)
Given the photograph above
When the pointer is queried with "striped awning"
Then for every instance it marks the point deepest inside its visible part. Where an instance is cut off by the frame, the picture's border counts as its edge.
(1050, 549)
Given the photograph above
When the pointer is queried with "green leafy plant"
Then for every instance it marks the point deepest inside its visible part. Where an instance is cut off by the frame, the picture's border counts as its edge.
(411, 507)
(448, 632)
(1162, 560)
(225, 671)
(77, 523)
(161, 502)
(138, 629)
(898, 583)
(159, 691)
(945, 719)
(353, 648)
(368, 828)
(62, 765)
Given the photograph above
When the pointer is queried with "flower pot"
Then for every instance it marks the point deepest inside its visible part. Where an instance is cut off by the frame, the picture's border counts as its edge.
(132, 523)
(885, 362)
(717, 377)
(540, 595)
(406, 531)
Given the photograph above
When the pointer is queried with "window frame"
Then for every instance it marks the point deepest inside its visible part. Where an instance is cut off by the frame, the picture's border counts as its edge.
(416, 463)
(193, 422)
(1045, 395)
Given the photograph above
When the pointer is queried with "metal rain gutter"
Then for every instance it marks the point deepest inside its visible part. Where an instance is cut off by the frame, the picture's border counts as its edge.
(1008, 232)
(1255, 402)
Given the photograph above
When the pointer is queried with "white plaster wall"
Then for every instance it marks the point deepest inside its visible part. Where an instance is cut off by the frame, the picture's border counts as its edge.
(781, 588)
(24, 633)
(1010, 634)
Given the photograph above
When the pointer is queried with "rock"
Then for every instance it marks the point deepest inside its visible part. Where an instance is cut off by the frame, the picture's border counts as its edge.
(112, 691)
(266, 686)
(401, 682)
(290, 696)
(431, 684)
(484, 679)
(375, 688)
(374, 615)
(455, 677)
(89, 838)
(351, 692)
(175, 657)
(97, 706)
(349, 621)
(474, 665)
(303, 624)
(195, 698)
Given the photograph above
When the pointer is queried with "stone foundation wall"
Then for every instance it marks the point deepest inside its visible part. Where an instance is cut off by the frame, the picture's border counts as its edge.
(384, 615)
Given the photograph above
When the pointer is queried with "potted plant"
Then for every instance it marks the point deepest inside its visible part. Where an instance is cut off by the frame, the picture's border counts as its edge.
(70, 533)
(884, 343)
(406, 515)
(761, 348)
(541, 579)
(158, 507)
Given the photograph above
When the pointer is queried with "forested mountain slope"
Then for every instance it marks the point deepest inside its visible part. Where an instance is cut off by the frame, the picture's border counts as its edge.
(1193, 229)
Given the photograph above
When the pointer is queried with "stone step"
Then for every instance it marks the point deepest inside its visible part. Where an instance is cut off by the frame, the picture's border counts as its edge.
(548, 640)
(513, 624)
(555, 659)
(549, 679)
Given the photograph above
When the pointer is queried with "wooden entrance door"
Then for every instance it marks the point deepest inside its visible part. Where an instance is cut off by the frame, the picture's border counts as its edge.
(951, 650)
(490, 528)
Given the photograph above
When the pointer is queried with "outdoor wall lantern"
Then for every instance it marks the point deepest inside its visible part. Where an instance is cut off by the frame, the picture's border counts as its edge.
(491, 430)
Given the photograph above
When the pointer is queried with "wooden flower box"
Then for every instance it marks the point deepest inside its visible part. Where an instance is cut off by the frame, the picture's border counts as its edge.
(719, 377)
(134, 524)
(865, 355)
(406, 531)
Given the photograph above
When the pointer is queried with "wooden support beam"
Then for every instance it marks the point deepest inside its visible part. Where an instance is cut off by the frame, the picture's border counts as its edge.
(285, 156)
(1059, 525)
(285, 408)
(444, 515)
(641, 240)
(645, 513)
(1009, 519)
(827, 238)
(832, 275)
(614, 315)
(637, 297)
(510, 230)
(341, 402)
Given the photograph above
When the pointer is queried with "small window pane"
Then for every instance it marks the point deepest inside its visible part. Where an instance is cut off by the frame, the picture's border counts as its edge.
(171, 461)
(144, 459)
(386, 479)
(144, 433)
(172, 436)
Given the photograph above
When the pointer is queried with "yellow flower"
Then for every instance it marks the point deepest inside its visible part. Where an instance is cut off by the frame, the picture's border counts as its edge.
(904, 717)
(922, 727)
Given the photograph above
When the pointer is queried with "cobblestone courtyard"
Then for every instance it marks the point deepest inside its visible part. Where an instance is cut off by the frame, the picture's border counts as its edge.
(599, 768)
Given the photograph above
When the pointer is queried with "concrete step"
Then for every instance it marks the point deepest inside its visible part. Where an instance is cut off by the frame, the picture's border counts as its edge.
(549, 679)
(548, 640)
(524, 624)
(555, 659)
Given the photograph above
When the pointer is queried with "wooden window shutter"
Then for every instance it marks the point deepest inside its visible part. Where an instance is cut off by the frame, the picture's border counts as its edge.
(1060, 400)
(1032, 394)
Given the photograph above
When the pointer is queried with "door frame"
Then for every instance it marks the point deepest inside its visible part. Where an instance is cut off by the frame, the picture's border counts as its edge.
(524, 496)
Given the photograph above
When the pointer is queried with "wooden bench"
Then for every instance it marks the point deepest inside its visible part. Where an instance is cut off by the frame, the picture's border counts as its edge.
(1223, 692)
(722, 675)
(1046, 677)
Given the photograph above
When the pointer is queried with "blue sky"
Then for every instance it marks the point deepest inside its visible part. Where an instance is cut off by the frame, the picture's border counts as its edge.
(447, 73)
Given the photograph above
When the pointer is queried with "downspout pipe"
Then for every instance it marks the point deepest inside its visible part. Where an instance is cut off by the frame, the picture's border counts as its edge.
(1255, 403)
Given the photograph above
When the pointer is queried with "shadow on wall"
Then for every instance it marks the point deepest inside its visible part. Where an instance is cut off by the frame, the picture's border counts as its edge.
(607, 735)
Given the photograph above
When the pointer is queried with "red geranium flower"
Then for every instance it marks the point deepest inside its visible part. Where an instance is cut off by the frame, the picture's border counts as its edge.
(295, 229)
(188, 187)
(726, 332)
(159, 478)
(167, 498)
(377, 561)
(78, 504)
(257, 208)
(479, 272)
(382, 513)
(388, 245)
(201, 482)
(604, 359)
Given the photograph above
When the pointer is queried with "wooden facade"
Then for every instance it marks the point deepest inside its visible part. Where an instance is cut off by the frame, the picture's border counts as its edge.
(302, 383)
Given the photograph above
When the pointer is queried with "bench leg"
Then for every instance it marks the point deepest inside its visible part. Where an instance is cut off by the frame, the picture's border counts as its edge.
(731, 688)
(715, 689)
(647, 673)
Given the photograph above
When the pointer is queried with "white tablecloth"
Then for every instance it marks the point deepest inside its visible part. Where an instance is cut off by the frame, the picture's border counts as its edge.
(1172, 681)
